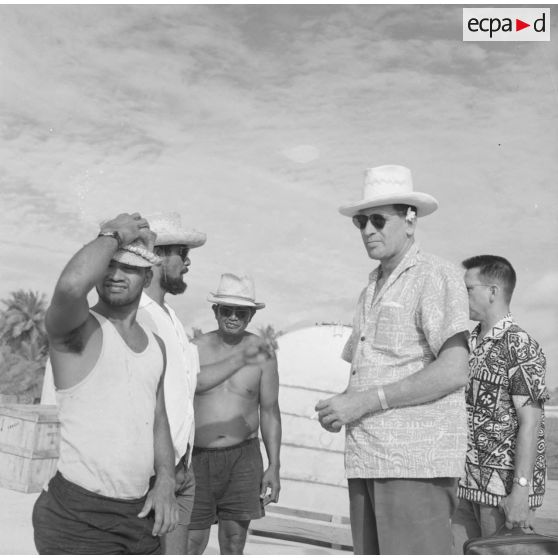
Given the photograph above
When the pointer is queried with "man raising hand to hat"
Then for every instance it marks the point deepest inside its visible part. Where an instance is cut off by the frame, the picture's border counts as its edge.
(236, 394)
(404, 407)
(108, 372)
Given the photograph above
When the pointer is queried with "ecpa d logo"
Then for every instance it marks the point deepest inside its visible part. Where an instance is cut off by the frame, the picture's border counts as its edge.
(506, 24)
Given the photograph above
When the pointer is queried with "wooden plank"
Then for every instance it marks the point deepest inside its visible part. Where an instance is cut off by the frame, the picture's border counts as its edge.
(310, 465)
(304, 432)
(313, 496)
(25, 475)
(298, 528)
(307, 514)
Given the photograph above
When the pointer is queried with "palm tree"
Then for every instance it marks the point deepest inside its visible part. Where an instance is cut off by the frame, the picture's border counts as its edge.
(23, 321)
(23, 344)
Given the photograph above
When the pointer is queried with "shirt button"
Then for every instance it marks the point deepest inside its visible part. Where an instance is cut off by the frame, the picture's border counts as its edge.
(354, 372)
(362, 338)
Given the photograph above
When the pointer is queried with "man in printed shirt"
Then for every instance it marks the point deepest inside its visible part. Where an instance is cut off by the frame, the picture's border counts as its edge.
(404, 408)
(504, 478)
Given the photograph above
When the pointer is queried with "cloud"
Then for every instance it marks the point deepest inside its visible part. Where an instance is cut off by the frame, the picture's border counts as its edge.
(256, 123)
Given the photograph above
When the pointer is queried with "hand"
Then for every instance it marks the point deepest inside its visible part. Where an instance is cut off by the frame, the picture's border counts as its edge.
(270, 480)
(129, 227)
(516, 509)
(339, 410)
(256, 351)
(161, 499)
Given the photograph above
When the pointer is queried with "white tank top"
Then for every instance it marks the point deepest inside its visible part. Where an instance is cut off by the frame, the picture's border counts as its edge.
(106, 420)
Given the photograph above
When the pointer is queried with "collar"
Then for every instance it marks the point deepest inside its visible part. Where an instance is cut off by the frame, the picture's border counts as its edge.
(496, 332)
(145, 300)
(409, 260)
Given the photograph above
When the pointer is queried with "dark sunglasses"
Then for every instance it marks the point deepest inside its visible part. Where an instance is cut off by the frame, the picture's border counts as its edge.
(181, 250)
(378, 221)
(228, 311)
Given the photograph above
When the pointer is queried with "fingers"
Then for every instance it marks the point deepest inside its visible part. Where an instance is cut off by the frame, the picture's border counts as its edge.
(321, 404)
(146, 507)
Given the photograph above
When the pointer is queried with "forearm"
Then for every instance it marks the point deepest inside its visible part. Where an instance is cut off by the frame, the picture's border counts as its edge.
(86, 267)
(526, 447)
(270, 425)
(213, 374)
(163, 448)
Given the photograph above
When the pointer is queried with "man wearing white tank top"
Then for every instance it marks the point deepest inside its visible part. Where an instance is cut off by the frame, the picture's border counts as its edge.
(115, 435)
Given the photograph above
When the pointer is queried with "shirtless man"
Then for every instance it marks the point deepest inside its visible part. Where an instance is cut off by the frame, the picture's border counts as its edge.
(109, 374)
(237, 392)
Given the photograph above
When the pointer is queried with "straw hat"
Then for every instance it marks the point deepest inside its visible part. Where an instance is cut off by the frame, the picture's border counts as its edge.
(168, 227)
(138, 253)
(236, 291)
(388, 185)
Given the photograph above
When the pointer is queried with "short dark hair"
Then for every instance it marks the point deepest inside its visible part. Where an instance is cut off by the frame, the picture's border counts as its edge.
(402, 208)
(495, 268)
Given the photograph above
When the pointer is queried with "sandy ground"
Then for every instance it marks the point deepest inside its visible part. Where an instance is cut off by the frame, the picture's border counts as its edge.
(16, 532)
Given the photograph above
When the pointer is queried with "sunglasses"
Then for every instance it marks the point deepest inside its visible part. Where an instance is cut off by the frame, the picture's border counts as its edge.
(181, 250)
(228, 311)
(378, 221)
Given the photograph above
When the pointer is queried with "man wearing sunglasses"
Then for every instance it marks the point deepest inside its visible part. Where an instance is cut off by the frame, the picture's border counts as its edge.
(173, 245)
(237, 394)
(404, 408)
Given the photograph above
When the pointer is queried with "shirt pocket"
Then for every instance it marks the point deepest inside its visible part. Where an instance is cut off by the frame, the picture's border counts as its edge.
(392, 325)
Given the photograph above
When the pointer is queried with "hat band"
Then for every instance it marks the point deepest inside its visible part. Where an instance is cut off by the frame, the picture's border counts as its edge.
(247, 298)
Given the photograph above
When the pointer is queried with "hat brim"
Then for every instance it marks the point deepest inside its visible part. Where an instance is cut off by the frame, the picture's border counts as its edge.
(133, 260)
(425, 203)
(193, 239)
(234, 301)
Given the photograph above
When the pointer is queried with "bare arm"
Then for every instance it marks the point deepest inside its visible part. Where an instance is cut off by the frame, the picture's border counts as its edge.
(69, 308)
(442, 376)
(516, 504)
(161, 497)
(215, 373)
(270, 425)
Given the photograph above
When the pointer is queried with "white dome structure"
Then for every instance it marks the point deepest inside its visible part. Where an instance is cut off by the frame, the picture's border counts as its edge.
(312, 464)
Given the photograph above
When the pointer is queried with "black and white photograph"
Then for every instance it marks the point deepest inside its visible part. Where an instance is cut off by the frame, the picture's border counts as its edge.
(278, 279)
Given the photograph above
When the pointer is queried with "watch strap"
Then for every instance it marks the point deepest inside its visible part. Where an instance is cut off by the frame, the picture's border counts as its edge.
(113, 234)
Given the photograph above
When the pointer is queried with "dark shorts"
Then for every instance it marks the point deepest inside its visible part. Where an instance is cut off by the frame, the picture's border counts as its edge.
(185, 490)
(228, 484)
(68, 519)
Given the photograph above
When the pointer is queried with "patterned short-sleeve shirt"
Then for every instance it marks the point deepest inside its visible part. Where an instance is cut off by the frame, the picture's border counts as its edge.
(400, 331)
(506, 362)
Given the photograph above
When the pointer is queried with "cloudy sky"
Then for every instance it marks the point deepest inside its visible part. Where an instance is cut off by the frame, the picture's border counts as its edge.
(256, 123)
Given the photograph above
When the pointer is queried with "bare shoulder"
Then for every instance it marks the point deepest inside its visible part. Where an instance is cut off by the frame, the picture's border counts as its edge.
(206, 341)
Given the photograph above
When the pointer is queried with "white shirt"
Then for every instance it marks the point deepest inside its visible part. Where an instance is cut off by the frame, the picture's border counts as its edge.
(183, 366)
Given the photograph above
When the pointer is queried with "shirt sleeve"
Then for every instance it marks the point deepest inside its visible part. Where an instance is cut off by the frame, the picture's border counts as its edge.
(444, 306)
(527, 367)
(348, 350)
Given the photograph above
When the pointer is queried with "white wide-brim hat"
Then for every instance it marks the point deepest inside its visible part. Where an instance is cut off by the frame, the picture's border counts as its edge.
(234, 290)
(138, 253)
(168, 227)
(388, 185)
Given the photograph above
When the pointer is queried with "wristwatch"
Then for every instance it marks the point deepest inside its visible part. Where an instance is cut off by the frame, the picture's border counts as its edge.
(114, 234)
(521, 481)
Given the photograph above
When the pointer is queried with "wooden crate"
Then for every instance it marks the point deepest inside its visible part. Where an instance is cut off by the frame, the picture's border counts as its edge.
(29, 446)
